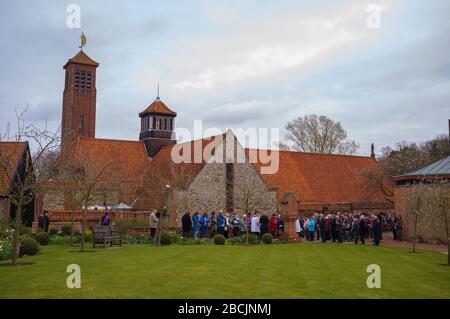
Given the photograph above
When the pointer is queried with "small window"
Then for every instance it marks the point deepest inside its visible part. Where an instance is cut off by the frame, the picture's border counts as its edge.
(76, 80)
(158, 124)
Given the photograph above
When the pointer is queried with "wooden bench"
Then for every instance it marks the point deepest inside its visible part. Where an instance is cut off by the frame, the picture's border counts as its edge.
(103, 234)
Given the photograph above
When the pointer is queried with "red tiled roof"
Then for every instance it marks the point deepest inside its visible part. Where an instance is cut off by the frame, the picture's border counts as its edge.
(10, 155)
(82, 58)
(158, 107)
(313, 178)
(163, 168)
(125, 161)
(322, 178)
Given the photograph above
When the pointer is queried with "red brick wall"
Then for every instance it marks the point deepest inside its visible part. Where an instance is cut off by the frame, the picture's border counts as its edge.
(78, 102)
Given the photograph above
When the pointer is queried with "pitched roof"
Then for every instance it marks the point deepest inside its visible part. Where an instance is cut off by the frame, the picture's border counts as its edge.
(321, 178)
(436, 169)
(126, 160)
(82, 58)
(10, 155)
(158, 107)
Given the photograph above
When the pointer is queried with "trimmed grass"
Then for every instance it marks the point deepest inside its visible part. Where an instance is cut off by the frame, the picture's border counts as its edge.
(208, 271)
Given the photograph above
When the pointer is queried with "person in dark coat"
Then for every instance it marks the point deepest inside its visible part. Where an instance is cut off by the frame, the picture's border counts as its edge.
(46, 221)
(105, 219)
(333, 228)
(41, 221)
(376, 229)
(186, 224)
(322, 223)
(355, 229)
(213, 227)
(382, 222)
(264, 224)
(339, 229)
(280, 226)
(363, 229)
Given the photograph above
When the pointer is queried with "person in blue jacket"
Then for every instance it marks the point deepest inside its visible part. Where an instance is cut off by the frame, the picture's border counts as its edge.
(196, 224)
(204, 223)
(221, 223)
(311, 228)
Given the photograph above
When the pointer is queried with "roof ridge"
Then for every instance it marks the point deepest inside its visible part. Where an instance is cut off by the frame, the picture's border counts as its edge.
(14, 142)
(309, 153)
(109, 139)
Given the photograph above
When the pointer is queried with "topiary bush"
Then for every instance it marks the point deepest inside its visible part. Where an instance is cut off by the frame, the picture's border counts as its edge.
(25, 231)
(219, 239)
(252, 239)
(29, 247)
(42, 238)
(235, 240)
(267, 238)
(166, 239)
(66, 229)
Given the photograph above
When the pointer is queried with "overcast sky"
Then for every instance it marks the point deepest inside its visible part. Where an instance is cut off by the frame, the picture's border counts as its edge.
(237, 63)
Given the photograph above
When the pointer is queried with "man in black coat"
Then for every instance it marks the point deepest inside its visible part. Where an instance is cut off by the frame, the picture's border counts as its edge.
(376, 229)
(186, 224)
(46, 221)
(333, 228)
(363, 229)
(41, 221)
(323, 233)
(264, 224)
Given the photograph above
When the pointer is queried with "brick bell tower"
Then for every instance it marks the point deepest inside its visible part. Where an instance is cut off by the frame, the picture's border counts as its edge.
(157, 126)
(79, 99)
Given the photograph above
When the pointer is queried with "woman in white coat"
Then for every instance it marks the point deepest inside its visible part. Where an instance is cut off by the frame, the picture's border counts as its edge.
(298, 227)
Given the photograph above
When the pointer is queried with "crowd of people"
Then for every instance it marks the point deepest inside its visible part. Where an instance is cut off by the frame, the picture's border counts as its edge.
(342, 227)
(231, 224)
(339, 227)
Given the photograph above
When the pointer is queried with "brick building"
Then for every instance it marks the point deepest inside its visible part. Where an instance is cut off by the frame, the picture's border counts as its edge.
(15, 163)
(141, 169)
(439, 170)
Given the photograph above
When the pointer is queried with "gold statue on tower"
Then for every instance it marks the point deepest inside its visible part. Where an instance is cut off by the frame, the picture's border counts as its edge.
(83, 40)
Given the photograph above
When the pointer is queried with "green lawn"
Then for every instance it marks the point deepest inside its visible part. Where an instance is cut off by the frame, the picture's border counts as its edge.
(208, 271)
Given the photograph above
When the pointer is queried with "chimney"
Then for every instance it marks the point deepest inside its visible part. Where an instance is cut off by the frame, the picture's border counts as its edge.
(372, 149)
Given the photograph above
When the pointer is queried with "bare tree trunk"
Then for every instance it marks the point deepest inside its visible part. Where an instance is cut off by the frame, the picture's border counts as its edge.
(83, 227)
(248, 229)
(448, 240)
(415, 234)
(71, 228)
(18, 223)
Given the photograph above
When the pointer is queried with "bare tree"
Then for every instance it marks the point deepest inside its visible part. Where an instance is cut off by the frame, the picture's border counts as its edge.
(250, 193)
(25, 180)
(319, 134)
(162, 189)
(84, 181)
(409, 156)
(440, 218)
(417, 205)
(376, 182)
